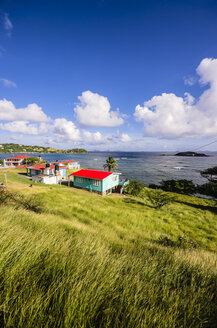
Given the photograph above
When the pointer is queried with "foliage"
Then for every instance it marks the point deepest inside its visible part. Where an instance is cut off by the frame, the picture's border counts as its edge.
(29, 202)
(191, 153)
(1, 161)
(208, 189)
(153, 186)
(32, 160)
(181, 242)
(111, 164)
(209, 173)
(178, 186)
(158, 199)
(16, 148)
(134, 188)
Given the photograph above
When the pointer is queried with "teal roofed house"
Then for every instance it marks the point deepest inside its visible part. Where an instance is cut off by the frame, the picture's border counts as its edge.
(97, 181)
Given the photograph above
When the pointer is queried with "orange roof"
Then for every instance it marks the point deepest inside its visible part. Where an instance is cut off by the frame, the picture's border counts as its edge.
(92, 174)
(18, 157)
(65, 162)
(40, 167)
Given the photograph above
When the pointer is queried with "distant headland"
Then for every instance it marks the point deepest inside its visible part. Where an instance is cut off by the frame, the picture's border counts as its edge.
(191, 153)
(17, 148)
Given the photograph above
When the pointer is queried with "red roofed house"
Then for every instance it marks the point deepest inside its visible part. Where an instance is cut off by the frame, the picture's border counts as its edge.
(69, 164)
(98, 181)
(47, 173)
(15, 161)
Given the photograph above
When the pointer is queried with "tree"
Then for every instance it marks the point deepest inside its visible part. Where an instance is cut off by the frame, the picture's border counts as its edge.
(134, 188)
(111, 164)
(178, 186)
(210, 174)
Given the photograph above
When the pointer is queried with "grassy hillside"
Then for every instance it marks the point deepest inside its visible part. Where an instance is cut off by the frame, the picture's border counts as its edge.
(88, 261)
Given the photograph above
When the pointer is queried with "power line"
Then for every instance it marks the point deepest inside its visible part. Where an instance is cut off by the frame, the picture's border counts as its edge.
(210, 143)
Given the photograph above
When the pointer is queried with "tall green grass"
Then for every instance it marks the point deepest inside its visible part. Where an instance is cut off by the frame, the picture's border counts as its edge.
(88, 261)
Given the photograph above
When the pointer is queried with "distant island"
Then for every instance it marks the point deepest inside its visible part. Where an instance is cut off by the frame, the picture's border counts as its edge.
(191, 153)
(17, 148)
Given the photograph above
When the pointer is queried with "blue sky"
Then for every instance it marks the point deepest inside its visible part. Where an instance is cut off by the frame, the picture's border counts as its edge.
(109, 75)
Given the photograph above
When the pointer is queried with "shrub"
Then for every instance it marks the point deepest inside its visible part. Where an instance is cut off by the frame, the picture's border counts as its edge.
(181, 242)
(209, 173)
(4, 195)
(153, 186)
(158, 199)
(134, 188)
(28, 202)
(208, 189)
(1, 161)
(178, 186)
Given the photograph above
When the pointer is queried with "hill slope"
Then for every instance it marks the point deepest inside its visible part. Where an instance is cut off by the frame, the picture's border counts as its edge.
(88, 261)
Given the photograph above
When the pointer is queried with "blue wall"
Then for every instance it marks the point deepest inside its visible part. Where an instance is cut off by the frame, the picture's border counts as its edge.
(108, 183)
(87, 184)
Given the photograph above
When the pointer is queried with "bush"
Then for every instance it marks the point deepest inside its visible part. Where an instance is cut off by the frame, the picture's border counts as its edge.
(178, 186)
(181, 242)
(208, 189)
(210, 173)
(134, 188)
(1, 161)
(158, 199)
(153, 186)
(28, 202)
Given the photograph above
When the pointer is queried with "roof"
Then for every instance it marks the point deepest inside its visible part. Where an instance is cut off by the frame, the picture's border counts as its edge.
(92, 174)
(65, 162)
(18, 157)
(40, 167)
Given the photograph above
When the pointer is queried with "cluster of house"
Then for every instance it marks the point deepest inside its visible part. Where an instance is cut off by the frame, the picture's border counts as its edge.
(98, 181)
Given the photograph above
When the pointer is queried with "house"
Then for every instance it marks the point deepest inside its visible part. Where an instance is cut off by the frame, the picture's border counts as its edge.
(68, 164)
(15, 161)
(97, 181)
(47, 173)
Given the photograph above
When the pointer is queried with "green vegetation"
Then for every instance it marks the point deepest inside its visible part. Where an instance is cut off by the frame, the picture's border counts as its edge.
(185, 187)
(111, 164)
(210, 174)
(191, 153)
(92, 261)
(135, 188)
(1, 161)
(16, 148)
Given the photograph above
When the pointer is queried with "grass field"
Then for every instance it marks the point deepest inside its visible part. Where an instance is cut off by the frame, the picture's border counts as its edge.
(89, 261)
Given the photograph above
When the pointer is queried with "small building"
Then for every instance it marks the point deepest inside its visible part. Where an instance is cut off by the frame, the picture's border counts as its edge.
(47, 173)
(15, 161)
(97, 181)
(69, 164)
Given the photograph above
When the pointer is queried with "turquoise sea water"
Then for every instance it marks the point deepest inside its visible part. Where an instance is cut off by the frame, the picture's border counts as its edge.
(148, 167)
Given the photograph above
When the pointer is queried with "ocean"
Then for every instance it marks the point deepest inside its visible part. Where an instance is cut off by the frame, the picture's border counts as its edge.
(148, 167)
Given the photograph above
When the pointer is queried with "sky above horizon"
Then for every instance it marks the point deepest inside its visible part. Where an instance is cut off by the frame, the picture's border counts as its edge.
(109, 75)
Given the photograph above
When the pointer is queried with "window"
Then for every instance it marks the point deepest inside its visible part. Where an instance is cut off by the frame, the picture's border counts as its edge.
(79, 180)
(115, 178)
(96, 183)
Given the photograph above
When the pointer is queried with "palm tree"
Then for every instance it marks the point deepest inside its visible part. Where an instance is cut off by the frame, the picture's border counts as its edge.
(111, 164)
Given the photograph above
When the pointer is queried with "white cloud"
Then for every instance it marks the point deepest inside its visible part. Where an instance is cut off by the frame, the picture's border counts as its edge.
(34, 113)
(7, 24)
(125, 137)
(95, 110)
(169, 116)
(8, 83)
(20, 127)
(189, 80)
(65, 131)
(94, 138)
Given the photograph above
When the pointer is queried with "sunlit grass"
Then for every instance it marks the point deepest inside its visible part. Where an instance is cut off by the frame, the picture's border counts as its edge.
(92, 261)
